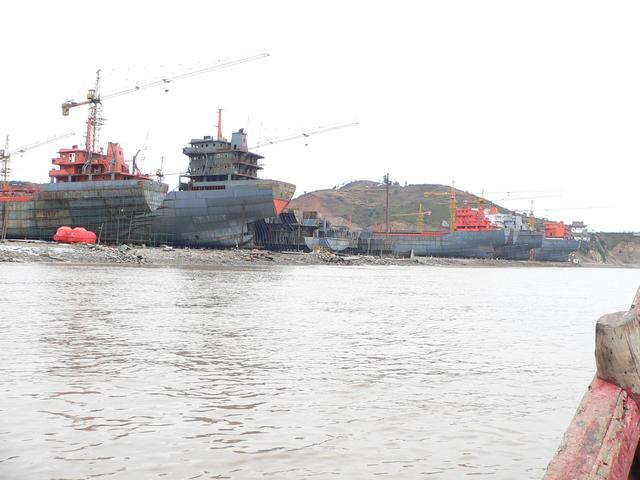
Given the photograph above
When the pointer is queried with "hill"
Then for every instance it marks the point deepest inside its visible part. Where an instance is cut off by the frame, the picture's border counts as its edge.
(363, 201)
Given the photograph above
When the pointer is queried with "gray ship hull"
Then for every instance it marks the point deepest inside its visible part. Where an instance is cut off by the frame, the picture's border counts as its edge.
(335, 244)
(105, 207)
(555, 250)
(482, 244)
(217, 213)
(519, 244)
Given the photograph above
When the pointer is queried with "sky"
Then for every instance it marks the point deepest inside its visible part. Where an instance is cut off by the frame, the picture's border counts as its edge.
(524, 101)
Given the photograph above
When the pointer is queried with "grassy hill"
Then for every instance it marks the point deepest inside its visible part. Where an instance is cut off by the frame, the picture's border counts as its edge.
(364, 202)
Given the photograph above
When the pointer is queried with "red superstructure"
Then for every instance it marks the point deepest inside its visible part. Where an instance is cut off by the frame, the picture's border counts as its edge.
(466, 220)
(75, 168)
(472, 220)
(556, 230)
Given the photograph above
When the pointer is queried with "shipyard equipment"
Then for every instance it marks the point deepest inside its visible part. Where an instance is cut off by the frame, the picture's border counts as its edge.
(453, 205)
(420, 214)
(94, 99)
(304, 134)
(5, 155)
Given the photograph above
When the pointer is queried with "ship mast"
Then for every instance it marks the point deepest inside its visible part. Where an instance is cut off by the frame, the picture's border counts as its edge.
(219, 124)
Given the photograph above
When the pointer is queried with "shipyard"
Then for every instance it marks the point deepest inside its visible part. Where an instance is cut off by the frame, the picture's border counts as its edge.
(298, 240)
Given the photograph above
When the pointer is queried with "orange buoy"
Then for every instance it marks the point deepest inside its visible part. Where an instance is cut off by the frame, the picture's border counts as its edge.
(63, 235)
(81, 235)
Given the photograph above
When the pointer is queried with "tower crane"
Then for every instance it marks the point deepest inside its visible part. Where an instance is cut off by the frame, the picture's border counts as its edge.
(305, 135)
(94, 98)
(5, 155)
(420, 214)
(280, 140)
(453, 204)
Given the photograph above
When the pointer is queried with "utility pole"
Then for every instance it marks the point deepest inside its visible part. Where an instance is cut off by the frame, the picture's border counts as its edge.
(387, 182)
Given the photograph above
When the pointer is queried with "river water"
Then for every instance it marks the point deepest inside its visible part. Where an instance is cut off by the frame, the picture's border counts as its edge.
(294, 372)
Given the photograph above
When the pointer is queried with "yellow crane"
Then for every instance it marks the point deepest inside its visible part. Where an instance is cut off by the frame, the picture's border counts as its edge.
(453, 205)
(420, 214)
(95, 98)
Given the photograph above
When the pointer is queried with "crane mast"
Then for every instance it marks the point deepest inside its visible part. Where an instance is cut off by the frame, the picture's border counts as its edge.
(453, 205)
(94, 100)
(5, 155)
(93, 121)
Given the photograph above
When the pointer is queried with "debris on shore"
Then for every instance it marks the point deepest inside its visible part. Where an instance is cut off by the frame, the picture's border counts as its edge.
(24, 251)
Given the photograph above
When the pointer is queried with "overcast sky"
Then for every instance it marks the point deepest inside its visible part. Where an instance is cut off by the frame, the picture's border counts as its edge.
(539, 99)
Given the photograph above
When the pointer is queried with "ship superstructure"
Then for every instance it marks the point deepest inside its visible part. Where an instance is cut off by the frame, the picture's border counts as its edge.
(219, 195)
(471, 235)
(100, 194)
(520, 236)
(557, 244)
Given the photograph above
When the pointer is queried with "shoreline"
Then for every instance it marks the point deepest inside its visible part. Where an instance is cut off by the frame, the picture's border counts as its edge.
(35, 251)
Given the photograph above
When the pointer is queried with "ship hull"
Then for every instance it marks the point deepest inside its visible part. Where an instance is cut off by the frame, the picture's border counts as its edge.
(217, 214)
(555, 250)
(335, 244)
(481, 244)
(519, 244)
(105, 207)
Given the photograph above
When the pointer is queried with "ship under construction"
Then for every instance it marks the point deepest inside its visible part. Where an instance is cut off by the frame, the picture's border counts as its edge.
(221, 194)
(216, 199)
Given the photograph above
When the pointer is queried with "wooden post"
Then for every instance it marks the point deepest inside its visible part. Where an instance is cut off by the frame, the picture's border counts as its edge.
(603, 436)
(618, 351)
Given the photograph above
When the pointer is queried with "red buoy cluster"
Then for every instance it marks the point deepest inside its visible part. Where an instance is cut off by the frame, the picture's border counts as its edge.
(74, 235)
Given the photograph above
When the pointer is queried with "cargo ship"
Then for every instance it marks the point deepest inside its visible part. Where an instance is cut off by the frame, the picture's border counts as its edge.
(92, 189)
(215, 200)
(218, 196)
(557, 244)
(520, 236)
(472, 236)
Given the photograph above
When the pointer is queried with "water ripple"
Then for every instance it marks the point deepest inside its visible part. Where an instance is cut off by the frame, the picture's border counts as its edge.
(295, 372)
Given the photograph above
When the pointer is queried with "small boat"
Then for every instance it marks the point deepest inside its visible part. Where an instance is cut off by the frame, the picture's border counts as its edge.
(602, 440)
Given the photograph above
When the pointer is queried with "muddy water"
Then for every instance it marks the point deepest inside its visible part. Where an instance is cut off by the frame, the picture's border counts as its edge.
(294, 372)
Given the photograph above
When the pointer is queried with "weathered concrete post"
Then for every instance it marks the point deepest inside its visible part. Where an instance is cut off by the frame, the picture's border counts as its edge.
(602, 438)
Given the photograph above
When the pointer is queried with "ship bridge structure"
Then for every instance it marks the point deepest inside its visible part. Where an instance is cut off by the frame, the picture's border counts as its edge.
(214, 160)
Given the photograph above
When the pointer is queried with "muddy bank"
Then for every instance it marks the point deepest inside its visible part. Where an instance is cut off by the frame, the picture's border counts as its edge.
(48, 252)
